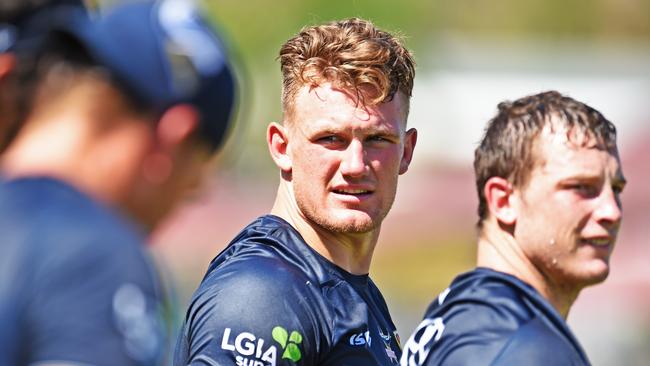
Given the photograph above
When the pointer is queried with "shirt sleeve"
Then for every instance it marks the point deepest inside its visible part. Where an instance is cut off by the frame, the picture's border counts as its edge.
(94, 304)
(467, 334)
(253, 312)
(480, 334)
(535, 344)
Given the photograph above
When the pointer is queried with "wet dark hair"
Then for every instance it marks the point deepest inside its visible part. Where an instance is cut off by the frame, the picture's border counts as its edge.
(507, 148)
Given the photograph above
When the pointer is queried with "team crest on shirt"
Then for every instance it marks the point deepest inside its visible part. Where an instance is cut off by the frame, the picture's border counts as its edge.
(417, 348)
(386, 340)
(251, 350)
(384, 336)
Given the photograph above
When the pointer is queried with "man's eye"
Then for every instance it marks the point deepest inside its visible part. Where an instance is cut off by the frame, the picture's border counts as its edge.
(584, 189)
(331, 140)
(618, 189)
(379, 138)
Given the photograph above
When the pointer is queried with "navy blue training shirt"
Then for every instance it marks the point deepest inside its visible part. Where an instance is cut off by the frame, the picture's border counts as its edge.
(75, 283)
(269, 299)
(492, 318)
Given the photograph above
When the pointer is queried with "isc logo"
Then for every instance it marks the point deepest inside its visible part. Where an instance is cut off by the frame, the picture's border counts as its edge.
(247, 345)
(360, 339)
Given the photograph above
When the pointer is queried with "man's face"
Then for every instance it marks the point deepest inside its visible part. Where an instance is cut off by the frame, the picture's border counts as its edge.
(570, 211)
(346, 158)
(168, 183)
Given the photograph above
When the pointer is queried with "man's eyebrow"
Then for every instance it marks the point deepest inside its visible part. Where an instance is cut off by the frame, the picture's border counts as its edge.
(580, 176)
(320, 130)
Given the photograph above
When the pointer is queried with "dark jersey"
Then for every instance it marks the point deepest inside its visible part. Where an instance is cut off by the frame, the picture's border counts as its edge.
(491, 318)
(75, 284)
(270, 299)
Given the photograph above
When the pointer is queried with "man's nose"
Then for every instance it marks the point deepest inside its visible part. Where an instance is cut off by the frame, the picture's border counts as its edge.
(354, 162)
(609, 211)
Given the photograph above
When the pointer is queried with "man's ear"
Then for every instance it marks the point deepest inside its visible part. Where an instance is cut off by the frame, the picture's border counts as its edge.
(173, 129)
(176, 125)
(500, 199)
(278, 142)
(410, 139)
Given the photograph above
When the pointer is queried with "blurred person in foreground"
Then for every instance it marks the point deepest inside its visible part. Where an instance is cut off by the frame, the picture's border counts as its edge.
(293, 287)
(549, 181)
(127, 109)
(24, 23)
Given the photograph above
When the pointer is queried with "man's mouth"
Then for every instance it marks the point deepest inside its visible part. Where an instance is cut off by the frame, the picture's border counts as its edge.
(352, 191)
(599, 242)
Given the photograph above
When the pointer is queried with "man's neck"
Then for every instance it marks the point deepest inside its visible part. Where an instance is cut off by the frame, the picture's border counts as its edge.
(350, 251)
(498, 250)
(77, 155)
(34, 152)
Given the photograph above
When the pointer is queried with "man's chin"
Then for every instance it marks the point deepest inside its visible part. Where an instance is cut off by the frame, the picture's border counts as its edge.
(355, 222)
(599, 276)
(598, 273)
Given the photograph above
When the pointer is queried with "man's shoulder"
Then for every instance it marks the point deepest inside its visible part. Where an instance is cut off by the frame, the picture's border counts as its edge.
(482, 317)
(63, 218)
(531, 343)
(253, 272)
(255, 295)
(268, 254)
(86, 267)
(472, 319)
(258, 271)
(480, 294)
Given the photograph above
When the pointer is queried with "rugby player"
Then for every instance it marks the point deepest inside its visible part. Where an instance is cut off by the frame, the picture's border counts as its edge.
(293, 287)
(549, 181)
(127, 109)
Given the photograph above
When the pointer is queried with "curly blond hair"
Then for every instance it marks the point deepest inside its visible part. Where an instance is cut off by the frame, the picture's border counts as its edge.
(351, 54)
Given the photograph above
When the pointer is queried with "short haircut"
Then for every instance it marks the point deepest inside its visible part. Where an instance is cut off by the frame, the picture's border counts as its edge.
(59, 66)
(351, 54)
(507, 149)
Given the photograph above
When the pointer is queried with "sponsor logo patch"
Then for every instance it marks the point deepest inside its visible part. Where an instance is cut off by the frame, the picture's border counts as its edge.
(256, 351)
(289, 343)
(252, 351)
(361, 339)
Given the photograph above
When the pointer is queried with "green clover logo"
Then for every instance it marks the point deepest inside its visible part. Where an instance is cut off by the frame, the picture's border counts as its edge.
(291, 350)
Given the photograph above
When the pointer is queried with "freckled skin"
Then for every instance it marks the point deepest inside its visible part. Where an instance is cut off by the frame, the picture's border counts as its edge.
(346, 158)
